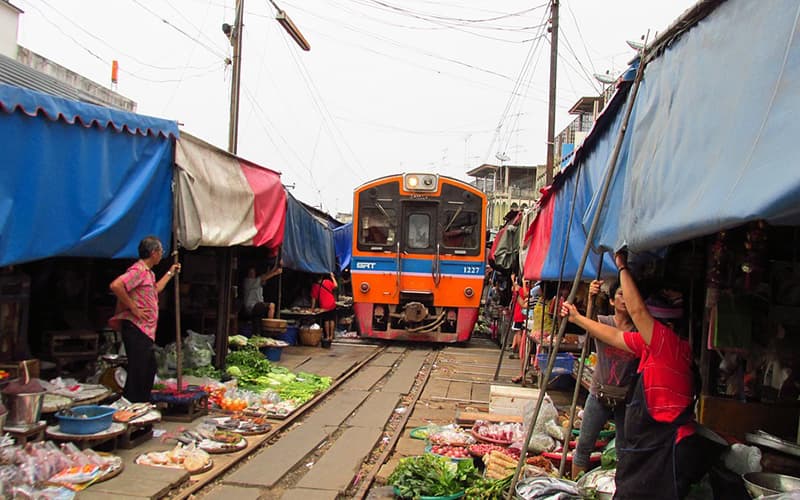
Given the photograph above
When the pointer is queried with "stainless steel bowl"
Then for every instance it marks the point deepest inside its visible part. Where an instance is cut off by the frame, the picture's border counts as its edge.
(767, 483)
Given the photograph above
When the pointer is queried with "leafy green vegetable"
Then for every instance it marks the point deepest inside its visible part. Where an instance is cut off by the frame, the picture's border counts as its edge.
(204, 371)
(488, 489)
(430, 475)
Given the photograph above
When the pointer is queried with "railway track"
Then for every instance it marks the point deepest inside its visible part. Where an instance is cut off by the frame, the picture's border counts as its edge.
(334, 446)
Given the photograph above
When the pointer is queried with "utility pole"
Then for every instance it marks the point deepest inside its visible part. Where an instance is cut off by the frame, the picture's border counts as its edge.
(236, 42)
(551, 114)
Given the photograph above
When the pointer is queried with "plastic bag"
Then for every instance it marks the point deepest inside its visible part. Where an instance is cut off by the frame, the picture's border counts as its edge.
(742, 459)
(199, 350)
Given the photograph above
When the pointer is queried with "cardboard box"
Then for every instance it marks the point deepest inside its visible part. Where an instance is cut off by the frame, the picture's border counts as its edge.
(509, 400)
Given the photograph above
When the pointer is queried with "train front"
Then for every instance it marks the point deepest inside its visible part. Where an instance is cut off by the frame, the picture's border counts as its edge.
(418, 258)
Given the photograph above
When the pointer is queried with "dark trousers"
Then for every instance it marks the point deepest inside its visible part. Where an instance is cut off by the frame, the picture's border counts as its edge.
(258, 313)
(141, 363)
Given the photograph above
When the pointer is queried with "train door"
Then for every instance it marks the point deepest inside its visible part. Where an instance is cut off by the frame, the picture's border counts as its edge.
(419, 230)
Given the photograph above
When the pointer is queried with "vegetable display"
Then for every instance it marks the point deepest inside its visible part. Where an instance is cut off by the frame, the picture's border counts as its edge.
(254, 373)
(488, 489)
(430, 475)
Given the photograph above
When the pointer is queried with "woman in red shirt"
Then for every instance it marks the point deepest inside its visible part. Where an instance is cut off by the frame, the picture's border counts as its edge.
(662, 454)
(322, 295)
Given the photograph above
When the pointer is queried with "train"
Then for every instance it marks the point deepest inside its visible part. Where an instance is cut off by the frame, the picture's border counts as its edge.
(419, 257)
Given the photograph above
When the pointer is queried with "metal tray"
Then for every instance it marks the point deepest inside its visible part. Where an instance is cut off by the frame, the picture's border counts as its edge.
(773, 442)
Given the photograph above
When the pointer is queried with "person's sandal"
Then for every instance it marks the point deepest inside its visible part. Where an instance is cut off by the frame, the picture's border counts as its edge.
(513, 355)
(517, 380)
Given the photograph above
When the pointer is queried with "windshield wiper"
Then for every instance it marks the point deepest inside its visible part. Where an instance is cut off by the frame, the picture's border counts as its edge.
(385, 214)
(447, 227)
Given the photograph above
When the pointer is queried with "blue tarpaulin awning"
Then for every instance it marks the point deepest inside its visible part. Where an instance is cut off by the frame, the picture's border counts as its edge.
(80, 180)
(308, 244)
(713, 138)
(343, 239)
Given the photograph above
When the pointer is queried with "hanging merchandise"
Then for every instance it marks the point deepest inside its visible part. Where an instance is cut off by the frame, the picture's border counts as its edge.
(716, 261)
(755, 245)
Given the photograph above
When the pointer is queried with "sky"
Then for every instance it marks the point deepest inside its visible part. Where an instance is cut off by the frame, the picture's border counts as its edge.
(389, 86)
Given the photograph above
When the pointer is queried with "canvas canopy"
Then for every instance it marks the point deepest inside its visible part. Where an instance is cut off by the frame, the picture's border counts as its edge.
(222, 200)
(79, 179)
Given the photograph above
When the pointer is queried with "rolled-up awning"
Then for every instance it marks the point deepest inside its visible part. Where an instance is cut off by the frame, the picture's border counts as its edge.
(222, 200)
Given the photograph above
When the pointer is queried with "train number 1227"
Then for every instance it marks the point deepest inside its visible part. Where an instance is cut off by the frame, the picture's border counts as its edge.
(472, 269)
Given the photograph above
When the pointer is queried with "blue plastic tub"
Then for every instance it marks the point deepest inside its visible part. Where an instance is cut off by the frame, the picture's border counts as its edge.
(90, 419)
(272, 353)
(564, 364)
(290, 335)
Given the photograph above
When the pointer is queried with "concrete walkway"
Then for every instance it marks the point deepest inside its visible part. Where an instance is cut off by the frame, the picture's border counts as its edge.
(342, 431)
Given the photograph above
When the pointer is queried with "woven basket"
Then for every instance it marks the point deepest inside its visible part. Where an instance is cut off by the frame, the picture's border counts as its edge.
(310, 337)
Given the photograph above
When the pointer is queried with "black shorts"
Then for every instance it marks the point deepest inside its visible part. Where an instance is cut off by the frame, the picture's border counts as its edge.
(517, 326)
(328, 315)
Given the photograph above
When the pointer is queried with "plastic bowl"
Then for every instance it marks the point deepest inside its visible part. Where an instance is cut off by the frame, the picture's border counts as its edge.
(767, 483)
(89, 419)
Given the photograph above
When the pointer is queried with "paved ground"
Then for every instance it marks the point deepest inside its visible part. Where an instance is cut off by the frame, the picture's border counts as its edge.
(348, 424)
(320, 455)
(137, 481)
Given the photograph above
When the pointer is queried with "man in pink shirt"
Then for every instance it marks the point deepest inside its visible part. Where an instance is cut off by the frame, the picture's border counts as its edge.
(137, 316)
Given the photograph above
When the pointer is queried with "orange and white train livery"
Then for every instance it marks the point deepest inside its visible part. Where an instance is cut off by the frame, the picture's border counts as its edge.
(419, 252)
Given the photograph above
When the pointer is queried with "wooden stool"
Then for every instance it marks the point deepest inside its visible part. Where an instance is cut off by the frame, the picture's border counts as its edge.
(139, 430)
(27, 434)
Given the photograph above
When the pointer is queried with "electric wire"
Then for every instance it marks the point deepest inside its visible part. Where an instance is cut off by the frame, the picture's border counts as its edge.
(209, 48)
(521, 77)
(589, 78)
(580, 34)
(104, 42)
(325, 114)
(369, 3)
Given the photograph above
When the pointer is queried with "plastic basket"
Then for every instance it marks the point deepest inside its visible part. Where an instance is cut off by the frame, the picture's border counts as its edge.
(272, 353)
(563, 366)
(290, 335)
(92, 419)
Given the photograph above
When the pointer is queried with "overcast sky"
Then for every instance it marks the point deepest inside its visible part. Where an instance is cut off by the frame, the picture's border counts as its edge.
(389, 85)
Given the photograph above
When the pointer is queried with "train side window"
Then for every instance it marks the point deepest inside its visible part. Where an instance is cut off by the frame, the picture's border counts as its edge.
(419, 231)
(461, 230)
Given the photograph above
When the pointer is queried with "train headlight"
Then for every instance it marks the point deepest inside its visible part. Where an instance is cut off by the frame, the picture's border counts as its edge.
(364, 287)
(469, 292)
(420, 182)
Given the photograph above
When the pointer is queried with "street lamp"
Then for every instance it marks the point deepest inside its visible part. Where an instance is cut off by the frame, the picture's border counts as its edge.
(285, 21)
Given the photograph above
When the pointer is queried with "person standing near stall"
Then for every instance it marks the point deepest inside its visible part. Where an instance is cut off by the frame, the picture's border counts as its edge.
(662, 454)
(611, 379)
(253, 289)
(322, 295)
(137, 317)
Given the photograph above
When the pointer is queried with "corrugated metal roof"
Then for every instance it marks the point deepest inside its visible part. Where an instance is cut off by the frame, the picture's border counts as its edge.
(15, 73)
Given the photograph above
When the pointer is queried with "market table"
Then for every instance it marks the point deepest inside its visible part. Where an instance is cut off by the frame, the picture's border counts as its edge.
(302, 316)
(84, 441)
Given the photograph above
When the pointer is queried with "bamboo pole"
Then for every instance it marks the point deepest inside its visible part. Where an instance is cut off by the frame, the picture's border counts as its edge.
(577, 390)
(575, 282)
(178, 344)
(504, 337)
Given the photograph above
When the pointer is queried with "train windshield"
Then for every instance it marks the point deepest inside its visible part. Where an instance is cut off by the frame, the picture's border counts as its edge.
(377, 225)
(461, 229)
